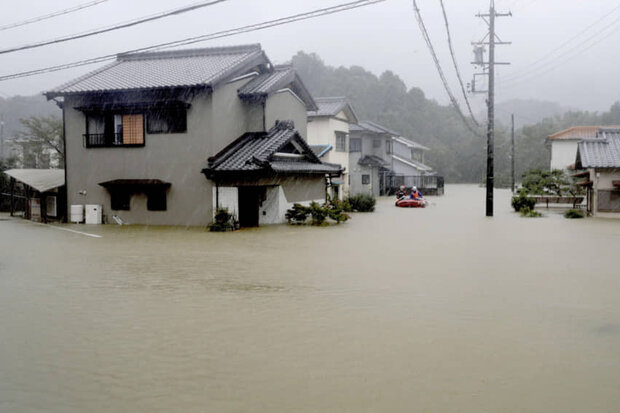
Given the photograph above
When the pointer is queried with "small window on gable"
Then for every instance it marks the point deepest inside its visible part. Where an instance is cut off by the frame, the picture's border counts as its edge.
(365, 179)
(166, 120)
(388, 146)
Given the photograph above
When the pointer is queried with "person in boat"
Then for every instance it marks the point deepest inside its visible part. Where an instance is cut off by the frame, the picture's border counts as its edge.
(415, 194)
(401, 192)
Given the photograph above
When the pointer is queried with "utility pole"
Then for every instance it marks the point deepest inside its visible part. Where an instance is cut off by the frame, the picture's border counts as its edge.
(1, 139)
(489, 69)
(512, 151)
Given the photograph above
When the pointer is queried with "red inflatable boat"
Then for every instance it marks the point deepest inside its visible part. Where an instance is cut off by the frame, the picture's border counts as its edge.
(410, 203)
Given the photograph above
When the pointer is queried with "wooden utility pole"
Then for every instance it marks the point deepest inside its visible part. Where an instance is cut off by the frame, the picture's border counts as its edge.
(512, 151)
(491, 40)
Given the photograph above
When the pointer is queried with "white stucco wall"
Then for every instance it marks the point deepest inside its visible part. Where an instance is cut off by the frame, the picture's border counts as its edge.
(563, 153)
(228, 198)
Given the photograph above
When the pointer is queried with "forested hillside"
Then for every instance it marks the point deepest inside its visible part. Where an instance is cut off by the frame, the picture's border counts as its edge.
(14, 108)
(456, 153)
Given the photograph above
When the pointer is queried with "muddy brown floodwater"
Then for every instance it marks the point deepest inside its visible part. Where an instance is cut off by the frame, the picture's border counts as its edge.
(403, 310)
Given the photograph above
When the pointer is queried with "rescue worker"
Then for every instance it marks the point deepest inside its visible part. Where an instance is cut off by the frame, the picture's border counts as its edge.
(401, 192)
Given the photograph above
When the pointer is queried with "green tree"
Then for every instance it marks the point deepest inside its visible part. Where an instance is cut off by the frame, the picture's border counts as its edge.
(41, 134)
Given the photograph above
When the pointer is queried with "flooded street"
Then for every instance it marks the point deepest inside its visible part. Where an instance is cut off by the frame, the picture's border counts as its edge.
(437, 309)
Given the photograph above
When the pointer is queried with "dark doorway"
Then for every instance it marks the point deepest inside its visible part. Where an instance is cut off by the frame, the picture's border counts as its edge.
(250, 200)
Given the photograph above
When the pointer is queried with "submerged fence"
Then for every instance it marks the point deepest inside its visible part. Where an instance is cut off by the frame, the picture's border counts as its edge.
(428, 185)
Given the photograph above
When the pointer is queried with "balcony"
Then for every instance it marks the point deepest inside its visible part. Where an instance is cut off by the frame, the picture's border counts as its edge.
(104, 140)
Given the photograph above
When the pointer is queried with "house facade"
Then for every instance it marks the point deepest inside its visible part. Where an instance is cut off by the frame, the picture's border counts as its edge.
(563, 144)
(139, 133)
(599, 159)
(381, 159)
(328, 133)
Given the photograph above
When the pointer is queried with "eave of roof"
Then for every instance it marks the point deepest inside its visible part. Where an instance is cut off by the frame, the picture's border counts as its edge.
(412, 163)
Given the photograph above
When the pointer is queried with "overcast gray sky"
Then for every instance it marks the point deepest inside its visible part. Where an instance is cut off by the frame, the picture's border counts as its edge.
(582, 74)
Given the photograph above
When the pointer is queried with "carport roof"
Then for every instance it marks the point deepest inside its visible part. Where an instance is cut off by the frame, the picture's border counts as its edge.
(40, 179)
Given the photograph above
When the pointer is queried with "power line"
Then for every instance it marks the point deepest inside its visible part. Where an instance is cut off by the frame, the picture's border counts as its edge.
(566, 43)
(216, 35)
(550, 66)
(456, 66)
(115, 27)
(51, 15)
(429, 44)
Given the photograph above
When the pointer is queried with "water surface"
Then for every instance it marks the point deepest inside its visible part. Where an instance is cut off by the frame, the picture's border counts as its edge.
(438, 310)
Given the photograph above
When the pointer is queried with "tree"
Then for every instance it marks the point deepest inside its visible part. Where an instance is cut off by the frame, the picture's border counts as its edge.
(41, 136)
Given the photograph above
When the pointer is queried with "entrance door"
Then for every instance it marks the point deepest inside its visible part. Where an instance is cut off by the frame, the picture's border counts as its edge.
(250, 199)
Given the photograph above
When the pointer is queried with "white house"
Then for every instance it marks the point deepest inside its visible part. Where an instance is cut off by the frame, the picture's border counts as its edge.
(564, 144)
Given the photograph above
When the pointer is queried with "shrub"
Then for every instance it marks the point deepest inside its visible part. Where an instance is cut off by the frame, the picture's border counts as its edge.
(223, 221)
(319, 214)
(297, 215)
(520, 202)
(530, 213)
(362, 202)
(574, 214)
(344, 206)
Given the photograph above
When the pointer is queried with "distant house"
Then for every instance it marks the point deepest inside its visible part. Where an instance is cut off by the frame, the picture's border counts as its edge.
(563, 144)
(381, 160)
(328, 134)
(43, 190)
(167, 137)
(600, 160)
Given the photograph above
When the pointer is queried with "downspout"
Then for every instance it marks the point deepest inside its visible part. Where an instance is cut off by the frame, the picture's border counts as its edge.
(217, 196)
(264, 105)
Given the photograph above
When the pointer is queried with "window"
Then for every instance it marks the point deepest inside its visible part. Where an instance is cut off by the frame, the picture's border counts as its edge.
(365, 179)
(114, 129)
(156, 200)
(341, 142)
(120, 200)
(388, 146)
(376, 143)
(167, 120)
(355, 145)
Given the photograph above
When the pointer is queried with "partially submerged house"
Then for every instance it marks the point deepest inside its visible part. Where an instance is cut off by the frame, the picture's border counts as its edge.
(599, 159)
(563, 144)
(140, 130)
(328, 135)
(381, 160)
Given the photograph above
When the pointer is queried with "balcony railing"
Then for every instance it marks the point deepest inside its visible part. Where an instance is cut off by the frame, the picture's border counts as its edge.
(103, 140)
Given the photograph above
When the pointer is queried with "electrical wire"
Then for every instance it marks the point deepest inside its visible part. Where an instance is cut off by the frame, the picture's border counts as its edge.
(456, 66)
(124, 25)
(51, 15)
(216, 35)
(429, 44)
(541, 62)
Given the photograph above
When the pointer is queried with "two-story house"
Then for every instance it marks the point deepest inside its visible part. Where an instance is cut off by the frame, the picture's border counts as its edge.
(381, 159)
(166, 137)
(328, 135)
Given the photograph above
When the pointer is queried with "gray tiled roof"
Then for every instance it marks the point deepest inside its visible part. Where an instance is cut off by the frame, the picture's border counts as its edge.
(332, 106)
(268, 82)
(372, 160)
(182, 68)
(602, 152)
(368, 126)
(254, 151)
(281, 77)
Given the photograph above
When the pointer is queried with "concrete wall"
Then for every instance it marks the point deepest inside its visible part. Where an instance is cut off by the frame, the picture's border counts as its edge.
(285, 105)
(175, 158)
(563, 153)
(603, 181)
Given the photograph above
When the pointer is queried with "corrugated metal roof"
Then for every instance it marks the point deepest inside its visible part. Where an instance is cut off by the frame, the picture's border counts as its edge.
(40, 179)
(321, 150)
(602, 152)
(254, 151)
(182, 68)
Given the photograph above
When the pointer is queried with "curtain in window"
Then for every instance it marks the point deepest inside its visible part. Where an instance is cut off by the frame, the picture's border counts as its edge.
(133, 130)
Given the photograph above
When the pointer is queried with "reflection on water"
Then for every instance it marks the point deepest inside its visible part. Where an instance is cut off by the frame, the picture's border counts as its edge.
(438, 309)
